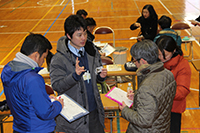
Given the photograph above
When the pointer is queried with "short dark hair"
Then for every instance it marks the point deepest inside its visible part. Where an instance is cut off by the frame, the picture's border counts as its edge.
(35, 43)
(90, 22)
(169, 44)
(145, 49)
(74, 23)
(165, 22)
(81, 12)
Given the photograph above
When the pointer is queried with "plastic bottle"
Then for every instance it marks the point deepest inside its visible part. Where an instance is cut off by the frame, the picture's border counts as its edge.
(129, 87)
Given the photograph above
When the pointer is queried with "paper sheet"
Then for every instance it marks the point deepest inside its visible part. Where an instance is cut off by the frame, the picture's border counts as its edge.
(71, 110)
(115, 67)
(136, 37)
(107, 49)
(43, 71)
(99, 44)
(118, 95)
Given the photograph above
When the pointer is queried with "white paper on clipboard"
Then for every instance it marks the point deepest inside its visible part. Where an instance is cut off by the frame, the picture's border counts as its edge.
(107, 49)
(118, 95)
(71, 110)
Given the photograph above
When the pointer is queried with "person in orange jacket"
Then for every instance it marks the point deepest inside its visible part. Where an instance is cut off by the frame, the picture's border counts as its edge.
(172, 57)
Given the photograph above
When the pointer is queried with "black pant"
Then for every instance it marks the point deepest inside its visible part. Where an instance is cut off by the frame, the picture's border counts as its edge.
(94, 123)
(175, 126)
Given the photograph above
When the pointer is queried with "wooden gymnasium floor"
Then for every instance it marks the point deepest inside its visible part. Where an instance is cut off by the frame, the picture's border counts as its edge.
(19, 17)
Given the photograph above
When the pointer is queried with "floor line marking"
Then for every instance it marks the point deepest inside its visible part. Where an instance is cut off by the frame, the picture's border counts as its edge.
(175, 18)
(56, 18)
(10, 33)
(72, 1)
(19, 6)
(165, 7)
(6, 3)
(62, 2)
(28, 33)
(193, 108)
(193, 5)
(137, 8)
(19, 20)
(194, 89)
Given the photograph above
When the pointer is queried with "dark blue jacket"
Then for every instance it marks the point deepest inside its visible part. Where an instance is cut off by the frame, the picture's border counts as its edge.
(27, 99)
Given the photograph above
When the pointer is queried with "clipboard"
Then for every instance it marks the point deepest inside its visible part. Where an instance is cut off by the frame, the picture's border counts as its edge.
(118, 95)
(71, 110)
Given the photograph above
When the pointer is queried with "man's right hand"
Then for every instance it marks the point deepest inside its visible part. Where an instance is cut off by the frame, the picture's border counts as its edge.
(130, 94)
(61, 101)
(79, 69)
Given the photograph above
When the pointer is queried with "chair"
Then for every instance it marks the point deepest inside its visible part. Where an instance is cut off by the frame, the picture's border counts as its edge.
(180, 26)
(106, 60)
(49, 90)
(184, 26)
(110, 81)
(105, 30)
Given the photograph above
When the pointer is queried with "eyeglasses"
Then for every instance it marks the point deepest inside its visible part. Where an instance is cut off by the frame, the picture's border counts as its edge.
(135, 60)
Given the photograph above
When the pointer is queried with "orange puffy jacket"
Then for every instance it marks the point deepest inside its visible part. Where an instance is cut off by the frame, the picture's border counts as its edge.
(182, 74)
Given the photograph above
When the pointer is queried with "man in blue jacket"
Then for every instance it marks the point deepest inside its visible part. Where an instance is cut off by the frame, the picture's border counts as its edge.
(24, 88)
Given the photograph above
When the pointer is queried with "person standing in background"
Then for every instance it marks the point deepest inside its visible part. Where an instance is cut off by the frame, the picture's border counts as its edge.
(172, 57)
(147, 23)
(91, 24)
(82, 13)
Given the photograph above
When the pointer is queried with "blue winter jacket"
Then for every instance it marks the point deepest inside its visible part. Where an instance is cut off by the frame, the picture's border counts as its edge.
(27, 99)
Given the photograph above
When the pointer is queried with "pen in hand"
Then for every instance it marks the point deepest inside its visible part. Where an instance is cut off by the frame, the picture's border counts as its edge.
(59, 99)
(130, 94)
